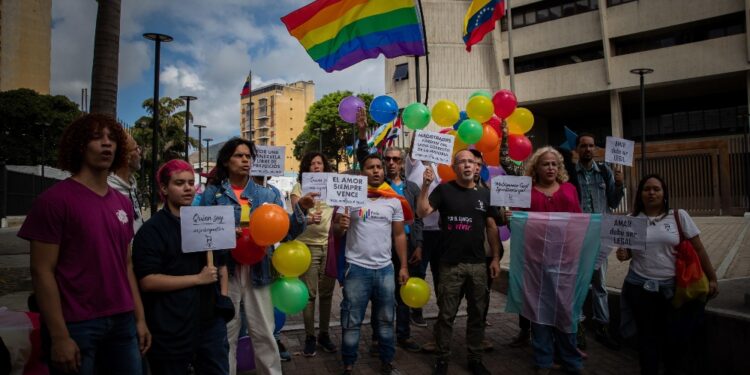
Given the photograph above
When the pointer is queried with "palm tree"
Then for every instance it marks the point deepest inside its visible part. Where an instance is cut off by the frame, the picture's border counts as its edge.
(171, 131)
(106, 54)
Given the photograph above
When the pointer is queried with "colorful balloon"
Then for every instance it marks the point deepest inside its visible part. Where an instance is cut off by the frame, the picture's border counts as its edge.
(489, 140)
(289, 295)
(462, 116)
(505, 103)
(484, 173)
(480, 108)
(504, 232)
(520, 121)
(458, 144)
(247, 251)
(470, 131)
(484, 93)
(383, 109)
(519, 147)
(446, 173)
(445, 113)
(416, 116)
(245, 354)
(492, 158)
(291, 258)
(348, 108)
(415, 293)
(279, 319)
(269, 224)
(496, 123)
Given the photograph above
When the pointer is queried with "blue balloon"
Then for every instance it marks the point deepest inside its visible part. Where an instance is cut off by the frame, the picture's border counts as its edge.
(484, 174)
(462, 116)
(383, 109)
(279, 319)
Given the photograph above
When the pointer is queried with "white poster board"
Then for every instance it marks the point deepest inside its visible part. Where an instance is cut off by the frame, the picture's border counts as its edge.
(511, 191)
(624, 231)
(433, 147)
(269, 161)
(207, 228)
(316, 183)
(345, 190)
(619, 151)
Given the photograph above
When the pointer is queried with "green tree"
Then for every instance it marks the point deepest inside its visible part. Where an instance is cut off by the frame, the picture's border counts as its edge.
(335, 132)
(28, 118)
(106, 54)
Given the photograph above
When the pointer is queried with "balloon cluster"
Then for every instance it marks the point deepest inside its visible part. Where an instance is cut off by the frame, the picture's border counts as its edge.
(269, 224)
(288, 293)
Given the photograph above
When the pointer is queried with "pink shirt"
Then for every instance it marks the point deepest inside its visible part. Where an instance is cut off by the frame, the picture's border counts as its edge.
(94, 234)
(565, 199)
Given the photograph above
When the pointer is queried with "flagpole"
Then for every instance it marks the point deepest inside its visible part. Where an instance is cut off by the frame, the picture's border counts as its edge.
(426, 61)
(511, 59)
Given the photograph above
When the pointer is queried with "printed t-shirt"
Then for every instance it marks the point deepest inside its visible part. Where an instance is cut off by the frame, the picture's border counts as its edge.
(93, 233)
(463, 214)
(657, 262)
(315, 234)
(368, 240)
(415, 173)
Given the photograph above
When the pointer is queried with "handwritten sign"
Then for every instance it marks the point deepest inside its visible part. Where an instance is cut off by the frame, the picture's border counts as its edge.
(346, 191)
(513, 191)
(619, 151)
(269, 161)
(207, 228)
(624, 231)
(316, 183)
(433, 147)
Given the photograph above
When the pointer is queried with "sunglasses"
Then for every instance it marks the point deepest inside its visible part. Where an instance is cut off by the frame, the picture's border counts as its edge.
(392, 158)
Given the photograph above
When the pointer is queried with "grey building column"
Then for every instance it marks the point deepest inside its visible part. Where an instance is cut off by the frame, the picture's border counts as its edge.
(615, 108)
(605, 39)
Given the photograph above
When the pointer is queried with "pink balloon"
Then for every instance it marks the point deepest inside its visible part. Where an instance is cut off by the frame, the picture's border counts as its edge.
(505, 103)
(348, 108)
(495, 171)
(504, 233)
(519, 147)
(495, 122)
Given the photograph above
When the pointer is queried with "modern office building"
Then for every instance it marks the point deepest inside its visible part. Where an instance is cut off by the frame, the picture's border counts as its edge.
(25, 44)
(274, 115)
(571, 66)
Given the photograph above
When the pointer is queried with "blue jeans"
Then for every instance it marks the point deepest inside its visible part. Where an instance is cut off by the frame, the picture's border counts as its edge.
(599, 300)
(108, 345)
(546, 340)
(211, 356)
(403, 312)
(360, 286)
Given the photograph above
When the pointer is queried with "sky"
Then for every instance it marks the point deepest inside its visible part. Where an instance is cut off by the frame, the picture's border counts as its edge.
(216, 43)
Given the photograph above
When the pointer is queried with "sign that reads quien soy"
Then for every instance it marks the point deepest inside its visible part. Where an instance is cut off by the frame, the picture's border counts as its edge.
(433, 147)
(316, 183)
(624, 231)
(207, 228)
(513, 191)
(344, 190)
(269, 161)
(619, 151)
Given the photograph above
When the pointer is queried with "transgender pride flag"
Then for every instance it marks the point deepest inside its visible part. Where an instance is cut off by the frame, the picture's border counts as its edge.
(552, 257)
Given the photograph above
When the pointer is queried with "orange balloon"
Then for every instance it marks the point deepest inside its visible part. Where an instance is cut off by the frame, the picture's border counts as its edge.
(269, 224)
(489, 140)
(492, 157)
(446, 173)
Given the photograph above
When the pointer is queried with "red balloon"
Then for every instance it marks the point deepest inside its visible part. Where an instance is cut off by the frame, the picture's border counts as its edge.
(496, 123)
(505, 103)
(492, 158)
(247, 251)
(489, 140)
(269, 224)
(519, 147)
(446, 173)
(445, 130)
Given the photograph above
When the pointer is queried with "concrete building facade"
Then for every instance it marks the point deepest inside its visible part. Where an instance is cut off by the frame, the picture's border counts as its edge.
(274, 115)
(25, 44)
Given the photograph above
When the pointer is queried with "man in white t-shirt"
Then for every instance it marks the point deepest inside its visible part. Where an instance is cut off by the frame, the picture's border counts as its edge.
(369, 273)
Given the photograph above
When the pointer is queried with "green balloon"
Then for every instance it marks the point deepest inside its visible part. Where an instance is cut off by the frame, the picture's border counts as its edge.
(484, 93)
(416, 116)
(289, 295)
(470, 131)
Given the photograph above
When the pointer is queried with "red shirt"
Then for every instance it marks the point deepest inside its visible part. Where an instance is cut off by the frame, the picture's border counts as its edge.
(565, 199)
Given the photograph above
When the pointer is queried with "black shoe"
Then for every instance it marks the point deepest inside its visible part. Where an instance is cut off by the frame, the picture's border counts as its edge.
(417, 319)
(602, 335)
(310, 345)
(325, 341)
(477, 368)
(440, 368)
(521, 340)
(581, 337)
(283, 353)
(388, 369)
(410, 345)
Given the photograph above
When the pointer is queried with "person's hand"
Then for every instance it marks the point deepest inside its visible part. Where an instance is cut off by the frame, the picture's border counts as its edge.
(308, 200)
(619, 175)
(508, 213)
(316, 217)
(416, 257)
(713, 289)
(403, 275)
(144, 336)
(208, 275)
(361, 121)
(65, 355)
(344, 220)
(622, 254)
(495, 268)
(428, 176)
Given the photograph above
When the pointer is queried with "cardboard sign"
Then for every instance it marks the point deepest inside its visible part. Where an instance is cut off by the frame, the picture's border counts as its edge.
(624, 231)
(433, 147)
(345, 190)
(512, 191)
(269, 161)
(619, 151)
(316, 183)
(206, 228)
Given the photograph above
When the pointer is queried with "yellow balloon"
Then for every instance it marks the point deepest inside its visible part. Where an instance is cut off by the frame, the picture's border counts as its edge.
(480, 108)
(520, 121)
(291, 258)
(415, 293)
(445, 113)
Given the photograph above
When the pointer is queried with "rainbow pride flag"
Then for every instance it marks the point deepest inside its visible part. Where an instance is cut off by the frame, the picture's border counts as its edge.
(340, 33)
(480, 19)
(552, 257)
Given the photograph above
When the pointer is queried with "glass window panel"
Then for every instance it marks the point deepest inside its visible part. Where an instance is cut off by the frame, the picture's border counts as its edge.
(729, 117)
(583, 5)
(518, 19)
(542, 15)
(712, 119)
(568, 9)
(666, 125)
(681, 122)
(530, 17)
(695, 119)
(555, 12)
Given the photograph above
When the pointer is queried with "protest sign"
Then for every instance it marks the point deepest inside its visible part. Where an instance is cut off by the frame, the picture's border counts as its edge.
(207, 228)
(313, 182)
(624, 231)
(269, 161)
(512, 191)
(345, 190)
(619, 151)
(433, 147)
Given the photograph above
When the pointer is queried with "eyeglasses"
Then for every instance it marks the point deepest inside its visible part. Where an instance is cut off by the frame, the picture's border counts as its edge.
(392, 158)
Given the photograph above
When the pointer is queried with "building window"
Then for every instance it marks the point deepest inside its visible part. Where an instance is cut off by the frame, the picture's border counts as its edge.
(574, 55)
(611, 3)
(263, 107)
(711, 121)
(549, 10)
(401, 72)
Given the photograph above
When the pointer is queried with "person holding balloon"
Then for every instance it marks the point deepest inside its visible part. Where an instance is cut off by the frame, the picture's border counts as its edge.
(259, 210)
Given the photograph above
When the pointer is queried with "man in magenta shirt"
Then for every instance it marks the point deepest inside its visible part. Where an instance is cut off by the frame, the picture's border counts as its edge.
(80, 231)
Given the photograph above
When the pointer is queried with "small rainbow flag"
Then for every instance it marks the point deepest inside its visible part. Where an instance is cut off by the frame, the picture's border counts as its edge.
(340, 33)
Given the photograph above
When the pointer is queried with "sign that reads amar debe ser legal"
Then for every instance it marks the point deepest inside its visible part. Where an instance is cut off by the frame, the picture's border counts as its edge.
(624, 231)
(345, 190)
(619, 151)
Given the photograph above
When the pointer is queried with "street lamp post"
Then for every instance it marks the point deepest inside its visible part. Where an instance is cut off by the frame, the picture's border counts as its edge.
(187, 99)
(641, 72)
(208, 155)
(158, 39)
(745, 119)
(320, 140)
(200, 146)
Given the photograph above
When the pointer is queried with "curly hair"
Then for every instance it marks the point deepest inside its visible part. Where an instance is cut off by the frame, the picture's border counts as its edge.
(80, 132)
(532, 164)
(306, 162)
(220, 171)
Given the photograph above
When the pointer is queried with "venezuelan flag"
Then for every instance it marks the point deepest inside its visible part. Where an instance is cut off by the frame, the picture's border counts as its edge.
(340, 33)
(480, 19)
